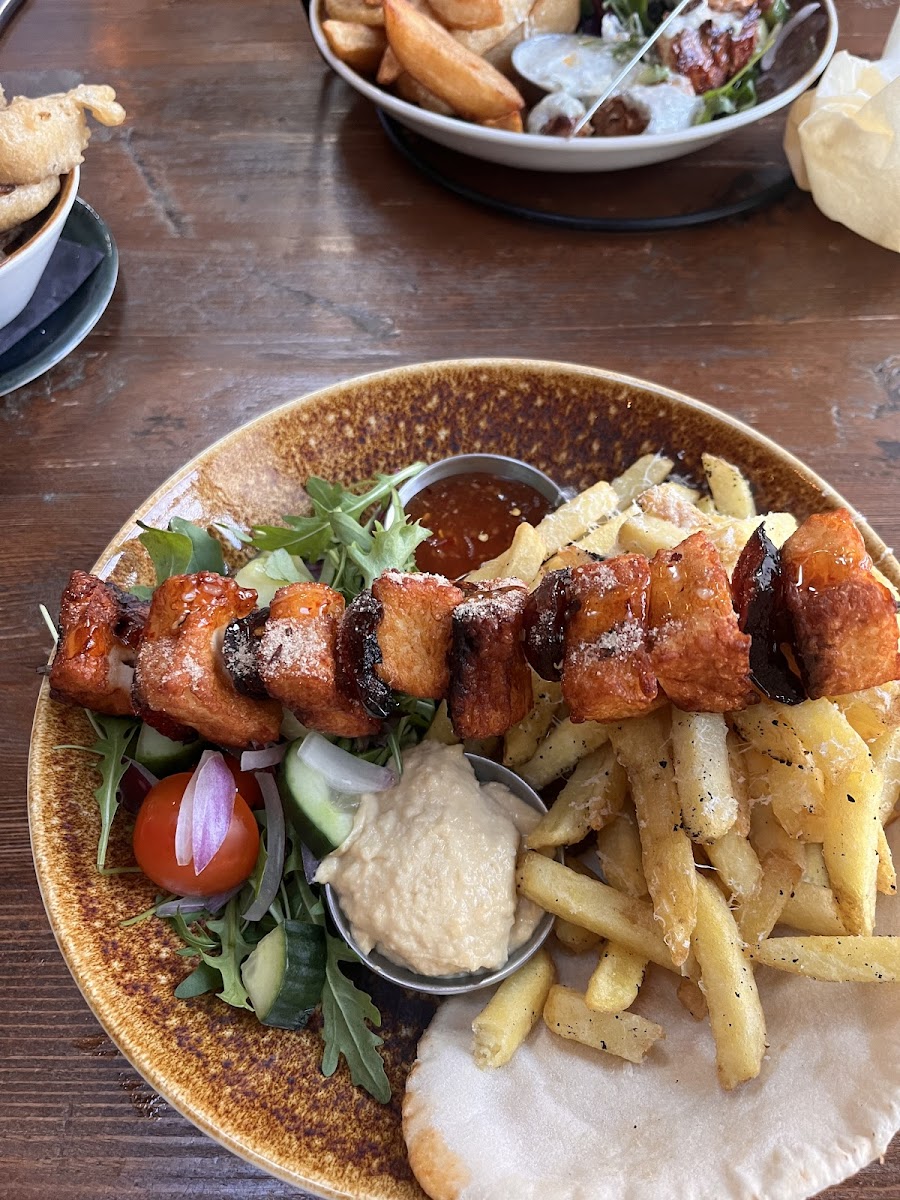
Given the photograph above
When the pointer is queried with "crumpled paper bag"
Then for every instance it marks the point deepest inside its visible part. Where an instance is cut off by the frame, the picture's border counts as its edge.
(843, 143)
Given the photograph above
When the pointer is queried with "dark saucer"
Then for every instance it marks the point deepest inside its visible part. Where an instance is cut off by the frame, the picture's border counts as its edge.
(70, 324)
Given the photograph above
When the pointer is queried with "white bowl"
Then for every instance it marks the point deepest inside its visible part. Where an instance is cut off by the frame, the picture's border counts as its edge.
(21, 272)
(537, 152)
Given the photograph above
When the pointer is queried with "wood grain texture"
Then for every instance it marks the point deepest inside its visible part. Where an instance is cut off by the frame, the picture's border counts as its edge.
(272, 242)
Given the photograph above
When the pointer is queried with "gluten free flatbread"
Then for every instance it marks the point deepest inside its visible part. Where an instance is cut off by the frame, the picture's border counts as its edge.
(561, 1122)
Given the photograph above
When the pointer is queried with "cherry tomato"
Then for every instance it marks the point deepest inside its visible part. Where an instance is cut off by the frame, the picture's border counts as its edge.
(245, 781)
(154, 844)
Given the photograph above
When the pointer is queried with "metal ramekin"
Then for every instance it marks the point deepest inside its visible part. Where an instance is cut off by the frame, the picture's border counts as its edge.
(480, 464)
(486, 771)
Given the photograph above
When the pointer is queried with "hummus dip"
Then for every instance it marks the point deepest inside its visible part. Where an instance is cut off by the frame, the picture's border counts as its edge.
(427, 874)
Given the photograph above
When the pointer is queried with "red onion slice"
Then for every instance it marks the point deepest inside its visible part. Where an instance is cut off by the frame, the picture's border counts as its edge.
(193, 904)
(768, 58)
(343, 771)
(275, 847)
(213, 807)
(184, 838)
(258, 760)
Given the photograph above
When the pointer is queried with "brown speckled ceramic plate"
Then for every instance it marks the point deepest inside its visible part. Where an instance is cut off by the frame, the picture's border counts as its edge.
(257, 1090)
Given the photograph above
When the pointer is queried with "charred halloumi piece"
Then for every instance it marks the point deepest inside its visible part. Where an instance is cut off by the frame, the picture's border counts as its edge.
(296, 660)
(100, 629)
(607, 673)
(697, 651)
(415, 631)
(490, 681)
(180, 670)
(844, 620)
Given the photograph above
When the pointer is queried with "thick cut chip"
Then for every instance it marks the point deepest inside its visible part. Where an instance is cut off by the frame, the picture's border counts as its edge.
(844, 619)
(431, 55)
(700, 657)
(606, 669)
(509, 1016)
(490, 681)
(100, 628)
(180, 670)
(297, 661)
(624, 1034)
(834, 959)
(360, 46)
(415, 631)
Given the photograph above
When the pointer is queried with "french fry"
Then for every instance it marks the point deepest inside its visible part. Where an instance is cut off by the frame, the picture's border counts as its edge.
(813, 909)
(355, 10)
(642, 746)
(702, 774)
(593, 905)
(509, 1016)
(735, 1013)
(815, 870)
(522, 740)
(471, 86)
(737, 865)
(885, 751)
(768, 837)
(410, 89)
(643, 473)
(468, 14)
(614, 985)
(593, 794)
(886, 881)
(772, 736)
(645, 534)
(359, 46)
(624, 1034)
(574, 939)
(851, 811)
(389, 69)
(497, 43)
(667, 502)
(570, 556)
(619, 852)
(796, 802)
(860, 959)
(737, 768)
(511, 123)
(561, 749)
(691, 998)
(874, 711)
(604, 540)
(521, 560)
(758, 915)
(730, 490)
(573, 519)
(440, 729)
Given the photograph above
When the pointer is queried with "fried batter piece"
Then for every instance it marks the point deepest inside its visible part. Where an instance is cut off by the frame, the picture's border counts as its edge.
(46, 135)
(607, 673)
(490, 681)
(296, 658)
(697, 651)
(844, 620)
(709, 56)
(415, 632)
(100, 629)
(180, 670)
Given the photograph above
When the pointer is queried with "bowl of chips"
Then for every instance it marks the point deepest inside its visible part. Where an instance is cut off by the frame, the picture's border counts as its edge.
(42, 143)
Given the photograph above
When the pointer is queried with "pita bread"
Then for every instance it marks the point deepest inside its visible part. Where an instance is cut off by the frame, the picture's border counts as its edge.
(561, 1122)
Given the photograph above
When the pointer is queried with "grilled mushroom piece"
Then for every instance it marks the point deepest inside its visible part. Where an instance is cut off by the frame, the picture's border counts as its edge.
(359, 655)
(239, 653)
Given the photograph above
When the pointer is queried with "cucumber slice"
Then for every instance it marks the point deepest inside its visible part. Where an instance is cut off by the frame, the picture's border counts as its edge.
(285, 974)
(321, 817)
(162, 756)
(253, 574)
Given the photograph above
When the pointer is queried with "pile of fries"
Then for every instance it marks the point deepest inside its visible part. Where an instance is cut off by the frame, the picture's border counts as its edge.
(447, 56)
(688, 837)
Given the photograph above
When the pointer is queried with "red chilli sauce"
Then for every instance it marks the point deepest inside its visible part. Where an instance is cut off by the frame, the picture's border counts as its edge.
(472, 518)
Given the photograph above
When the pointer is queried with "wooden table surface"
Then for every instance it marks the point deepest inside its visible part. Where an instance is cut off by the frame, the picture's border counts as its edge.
(271, 242)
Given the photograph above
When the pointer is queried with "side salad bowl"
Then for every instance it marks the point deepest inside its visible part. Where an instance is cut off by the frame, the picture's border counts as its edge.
(536, 152)
(259, 1091)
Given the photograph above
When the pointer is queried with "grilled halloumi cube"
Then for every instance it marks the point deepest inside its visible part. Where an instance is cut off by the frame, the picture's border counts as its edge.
(697, 651)
(607, 673)
(415, 630)
(844, 620)
(490, 681)
(296, 660)
(100, 628)
(180, 671)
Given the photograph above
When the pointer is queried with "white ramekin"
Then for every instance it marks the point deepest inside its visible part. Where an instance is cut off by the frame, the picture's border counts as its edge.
(21, 272)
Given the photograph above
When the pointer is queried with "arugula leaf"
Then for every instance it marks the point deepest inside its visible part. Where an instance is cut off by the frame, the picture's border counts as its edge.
(388, 548)
(203, 978)
(738, 94)
(206, 551)
(307, 537)
(286, 568)
(113, 737)
(777, 14)
(234, 950)
(345, 1011)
